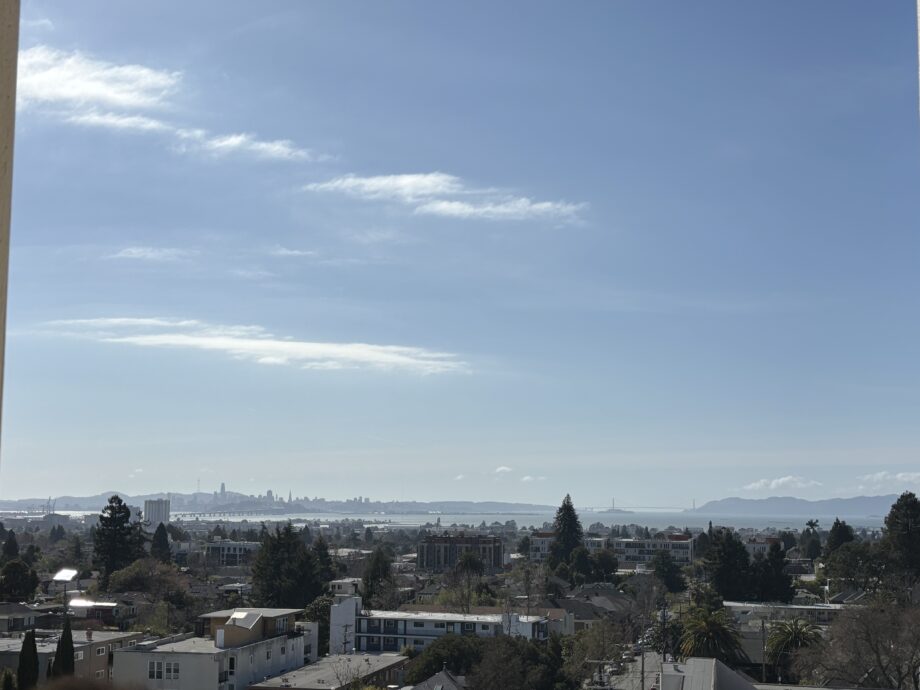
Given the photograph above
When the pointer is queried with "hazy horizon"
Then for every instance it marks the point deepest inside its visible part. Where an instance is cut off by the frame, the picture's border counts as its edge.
(489, 252)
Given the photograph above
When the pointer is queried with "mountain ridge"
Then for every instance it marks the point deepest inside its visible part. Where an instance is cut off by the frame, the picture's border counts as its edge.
(863, 506)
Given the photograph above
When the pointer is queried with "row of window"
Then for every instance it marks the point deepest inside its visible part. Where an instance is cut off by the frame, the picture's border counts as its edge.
(155, 670)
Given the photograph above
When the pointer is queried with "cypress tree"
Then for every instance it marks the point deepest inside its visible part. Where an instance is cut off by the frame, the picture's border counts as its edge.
(63, 656)
(569, 534)
(27, 671)
(159, 547)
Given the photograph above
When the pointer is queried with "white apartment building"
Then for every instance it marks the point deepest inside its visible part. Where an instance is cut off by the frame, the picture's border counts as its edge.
(352, 628)
(760, 546)
(637, 553)
(346, 587)
(595, 544)
(156, 511)
(224, 552)
(240, 647)
(540, 544)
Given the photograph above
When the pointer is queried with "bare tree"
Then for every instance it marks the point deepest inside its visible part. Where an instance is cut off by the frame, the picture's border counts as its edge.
(876, 646)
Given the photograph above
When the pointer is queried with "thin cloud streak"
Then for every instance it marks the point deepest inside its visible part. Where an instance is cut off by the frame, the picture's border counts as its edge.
(435, 194)
(89, 92)
(255, 344)
(159, 254)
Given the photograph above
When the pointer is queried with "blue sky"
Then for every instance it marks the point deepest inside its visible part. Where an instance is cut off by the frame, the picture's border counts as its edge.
(657, 251)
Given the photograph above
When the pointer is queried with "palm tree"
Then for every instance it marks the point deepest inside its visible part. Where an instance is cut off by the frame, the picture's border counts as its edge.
(711, 634)
(787, 637)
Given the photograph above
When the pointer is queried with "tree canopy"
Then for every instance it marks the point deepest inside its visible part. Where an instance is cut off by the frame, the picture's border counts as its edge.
(285, 573)
(569, 533)
(159, 547)
(118, 540)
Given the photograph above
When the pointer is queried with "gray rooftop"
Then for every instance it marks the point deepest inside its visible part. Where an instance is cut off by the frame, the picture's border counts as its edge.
(46, 640)
(268, 613)
(328, 672)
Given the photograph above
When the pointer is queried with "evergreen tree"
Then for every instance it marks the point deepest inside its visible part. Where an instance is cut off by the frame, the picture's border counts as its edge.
(771, 583)
(569, 534)
(727, 564)
(666, 569)
(63, 656)
(324, 563)
(284, 573)
(840, 534)
(10, 548)
(368, 535)
(306, 536)
(701, 547)
(902, 534)
(376, 572)
(117, 541)
(17, 581)
(318, 611)
(159, 547)
(7, 680)
(27, 670)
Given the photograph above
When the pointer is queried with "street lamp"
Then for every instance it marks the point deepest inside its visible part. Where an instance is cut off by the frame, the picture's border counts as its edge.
(65, 575)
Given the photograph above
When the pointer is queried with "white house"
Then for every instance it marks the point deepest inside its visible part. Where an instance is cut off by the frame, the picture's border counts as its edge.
(240, 647)
(353, 628)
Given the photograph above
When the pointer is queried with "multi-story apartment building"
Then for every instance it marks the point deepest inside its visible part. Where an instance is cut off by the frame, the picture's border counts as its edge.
(760, 546)
(93, 651)
(595, 544)
(237, 648)
(438, 554)
(540, 544)
(634, 553)
(353, 628)
(225, 552)
(156, 511)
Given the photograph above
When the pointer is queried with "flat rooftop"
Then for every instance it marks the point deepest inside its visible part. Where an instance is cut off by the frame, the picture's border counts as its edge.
(753, 605)
(46, 640)
(192, 645)
(447, 617)
(267, 613)
(325, 673)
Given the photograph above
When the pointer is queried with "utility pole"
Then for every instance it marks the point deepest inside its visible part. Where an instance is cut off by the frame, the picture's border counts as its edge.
(9, 54)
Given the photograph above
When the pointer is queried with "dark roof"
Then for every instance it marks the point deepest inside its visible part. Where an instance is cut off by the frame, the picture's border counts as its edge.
(582, 610)
(443, 680)
(14, 609)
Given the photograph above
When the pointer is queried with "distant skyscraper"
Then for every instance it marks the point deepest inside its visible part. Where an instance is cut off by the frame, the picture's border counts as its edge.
(269, 495)
(223, 491)
(156, 511)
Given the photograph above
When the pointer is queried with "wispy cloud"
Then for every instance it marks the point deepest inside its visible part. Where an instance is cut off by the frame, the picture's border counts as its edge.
(83, 90)
(278, 250)
(42, 23)
(255, 344)
(885, 477)
(788, 482)
(252, 273)
(153, 254)
(441, 194)
(502, 469)
(529, 478)
(459, 477)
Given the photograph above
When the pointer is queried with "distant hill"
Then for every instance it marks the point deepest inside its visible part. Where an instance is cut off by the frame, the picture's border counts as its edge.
(859, 506)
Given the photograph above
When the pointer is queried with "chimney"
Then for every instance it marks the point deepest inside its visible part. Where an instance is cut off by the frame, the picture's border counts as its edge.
(89, 635)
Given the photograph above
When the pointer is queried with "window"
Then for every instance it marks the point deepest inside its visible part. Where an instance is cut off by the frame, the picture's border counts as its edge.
(439, 625)
(132, 643)
(172, 670)
(250, 659)
(483, 627)
(231, 666)
(100, 674)
(100, 651)
(268, 654)
(469, 627)
(154, 670)
(78, 656)
(418, 643)
(283, 650)
(418, 624)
